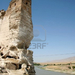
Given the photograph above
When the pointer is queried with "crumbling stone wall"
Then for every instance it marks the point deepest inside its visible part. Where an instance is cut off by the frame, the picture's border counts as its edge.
(16, 33)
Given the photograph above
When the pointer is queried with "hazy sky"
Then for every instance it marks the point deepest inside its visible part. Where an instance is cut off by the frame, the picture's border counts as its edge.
(54, 28)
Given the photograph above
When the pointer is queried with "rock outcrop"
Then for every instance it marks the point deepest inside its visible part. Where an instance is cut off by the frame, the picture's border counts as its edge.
(16, 33)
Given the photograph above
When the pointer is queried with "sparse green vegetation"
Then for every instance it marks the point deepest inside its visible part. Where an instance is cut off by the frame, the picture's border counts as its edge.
(69, 67)
(73, 67)
(37, 64)
(68, 64)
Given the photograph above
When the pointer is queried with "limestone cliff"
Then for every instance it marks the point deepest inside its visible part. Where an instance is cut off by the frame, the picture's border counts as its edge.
(16, 33)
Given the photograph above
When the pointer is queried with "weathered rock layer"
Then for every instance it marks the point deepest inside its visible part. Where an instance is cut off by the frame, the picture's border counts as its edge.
(16, 33)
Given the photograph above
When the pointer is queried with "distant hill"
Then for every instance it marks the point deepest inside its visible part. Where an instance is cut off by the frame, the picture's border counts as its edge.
(67, 60)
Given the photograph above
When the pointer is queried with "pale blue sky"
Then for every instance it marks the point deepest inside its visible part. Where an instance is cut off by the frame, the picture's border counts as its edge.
(57, 19)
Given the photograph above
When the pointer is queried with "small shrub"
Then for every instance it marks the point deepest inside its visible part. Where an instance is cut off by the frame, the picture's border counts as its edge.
(54, 64)
(73, 67)
(69, 67)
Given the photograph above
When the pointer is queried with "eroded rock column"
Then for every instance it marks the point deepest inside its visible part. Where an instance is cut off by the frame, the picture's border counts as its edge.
(16, 33)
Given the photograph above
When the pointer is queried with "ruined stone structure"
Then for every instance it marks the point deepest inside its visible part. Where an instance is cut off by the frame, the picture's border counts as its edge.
(16, 33)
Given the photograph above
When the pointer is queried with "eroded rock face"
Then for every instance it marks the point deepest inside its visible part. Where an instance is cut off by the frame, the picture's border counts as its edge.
(16, 25)
(17, 60)
(16, 33)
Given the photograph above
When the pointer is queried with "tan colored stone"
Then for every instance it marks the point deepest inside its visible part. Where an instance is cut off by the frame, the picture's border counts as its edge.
(16, 33)
(11, 66)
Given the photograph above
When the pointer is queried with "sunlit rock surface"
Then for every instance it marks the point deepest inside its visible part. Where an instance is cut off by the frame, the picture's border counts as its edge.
(16, 33)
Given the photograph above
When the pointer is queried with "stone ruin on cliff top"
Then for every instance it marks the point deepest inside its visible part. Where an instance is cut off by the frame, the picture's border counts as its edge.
(16, 33)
